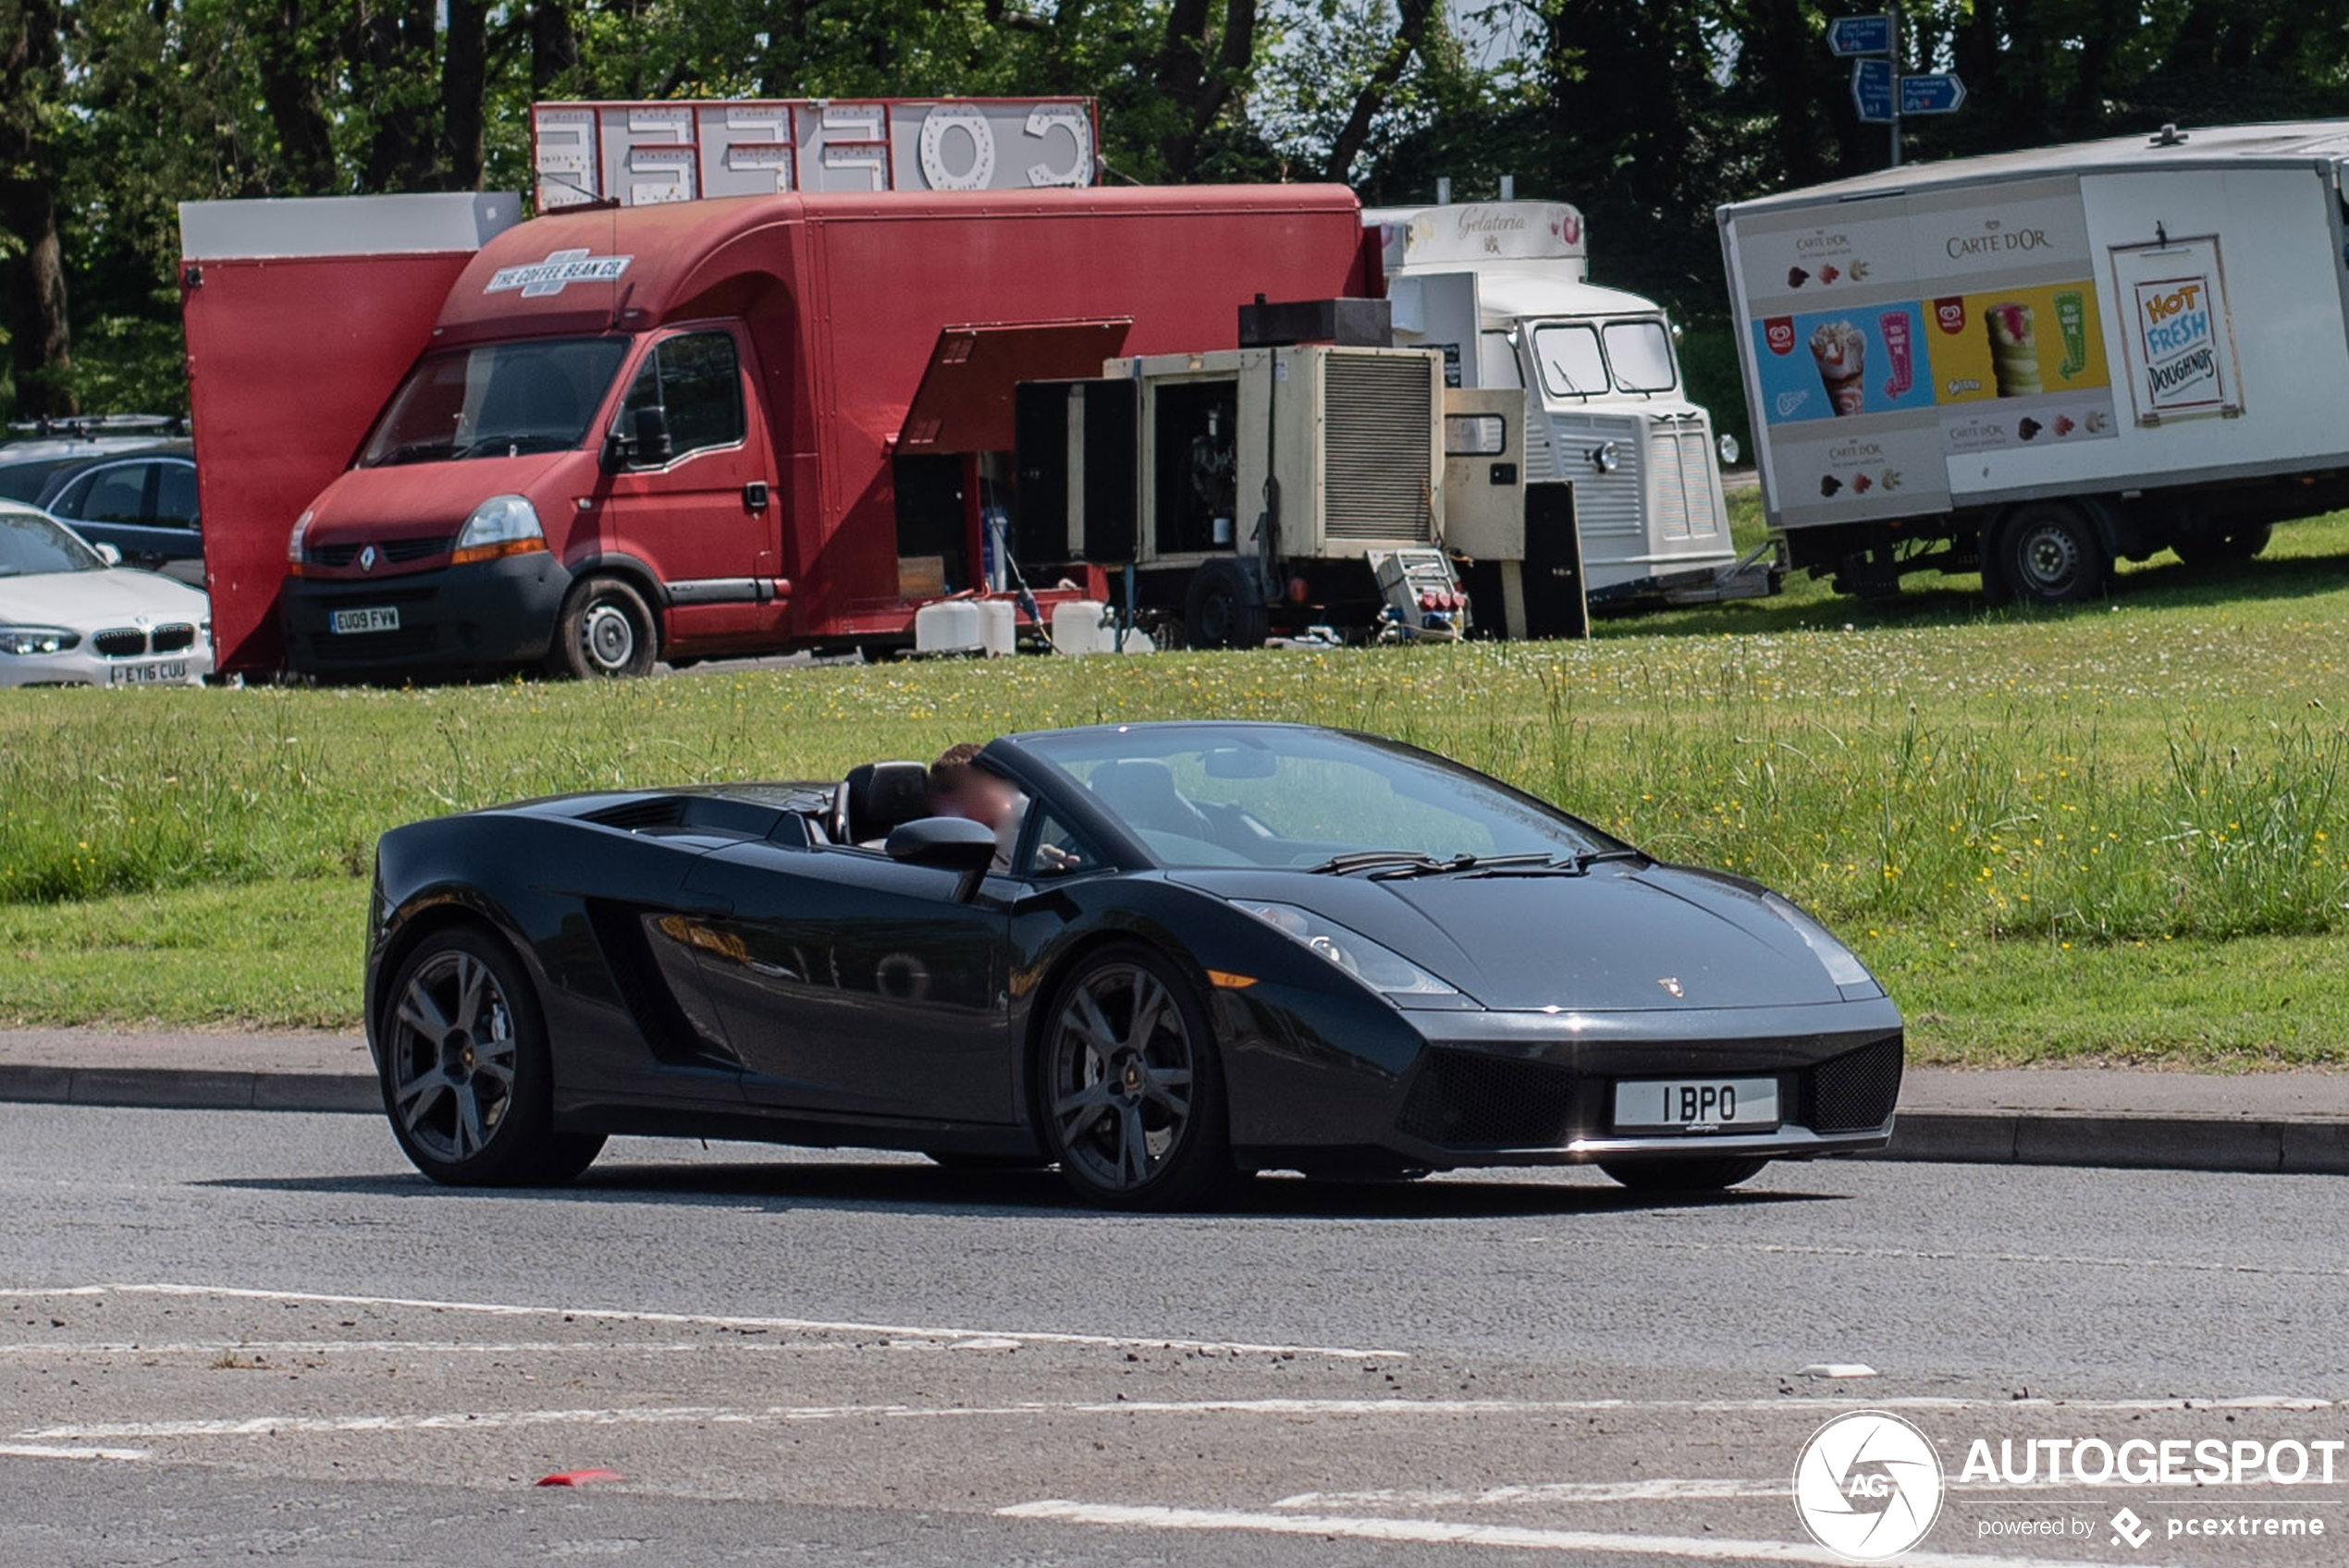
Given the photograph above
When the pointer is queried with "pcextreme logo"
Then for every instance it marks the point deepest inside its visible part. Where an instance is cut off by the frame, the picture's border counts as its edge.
(1868, 1486)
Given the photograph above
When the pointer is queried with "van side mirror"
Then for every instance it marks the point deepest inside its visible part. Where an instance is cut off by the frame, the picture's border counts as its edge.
(653, 445)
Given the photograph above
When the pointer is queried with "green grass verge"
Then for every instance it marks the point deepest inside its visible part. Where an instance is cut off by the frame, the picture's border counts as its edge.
(2158, 780)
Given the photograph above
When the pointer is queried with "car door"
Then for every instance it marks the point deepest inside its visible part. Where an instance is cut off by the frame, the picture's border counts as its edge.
(703, 515)
(112, 503)
(850, 984)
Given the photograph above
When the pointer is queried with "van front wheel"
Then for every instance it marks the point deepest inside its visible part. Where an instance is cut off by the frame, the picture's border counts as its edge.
(606, 631)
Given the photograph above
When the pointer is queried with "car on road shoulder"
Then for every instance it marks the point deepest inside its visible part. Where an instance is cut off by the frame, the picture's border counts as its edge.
(71, 616)
(1169, 954)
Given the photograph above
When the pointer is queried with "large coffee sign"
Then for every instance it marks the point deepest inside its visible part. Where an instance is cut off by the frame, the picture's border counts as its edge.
(2181, 342)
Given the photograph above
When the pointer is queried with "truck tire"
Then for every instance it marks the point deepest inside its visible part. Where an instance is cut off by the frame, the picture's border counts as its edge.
(1223, 610)
(2222, 546)
(605, 632)
(2049, 553)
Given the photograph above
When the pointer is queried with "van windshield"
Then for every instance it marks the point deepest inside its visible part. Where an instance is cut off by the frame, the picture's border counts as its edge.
(1637, 357)
(496, 401)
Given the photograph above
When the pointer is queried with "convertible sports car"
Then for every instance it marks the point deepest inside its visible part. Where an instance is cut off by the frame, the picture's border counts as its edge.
(1179, 953)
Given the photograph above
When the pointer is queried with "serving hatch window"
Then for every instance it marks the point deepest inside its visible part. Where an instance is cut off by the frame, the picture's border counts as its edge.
(496, 401)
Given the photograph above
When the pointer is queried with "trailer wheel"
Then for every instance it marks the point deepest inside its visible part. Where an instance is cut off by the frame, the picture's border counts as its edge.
(2222, 546)
(1223, 610)
(606, 631)
(2050, 554)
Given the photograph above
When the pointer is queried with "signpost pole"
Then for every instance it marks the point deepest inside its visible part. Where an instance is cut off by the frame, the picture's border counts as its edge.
(1896, 83)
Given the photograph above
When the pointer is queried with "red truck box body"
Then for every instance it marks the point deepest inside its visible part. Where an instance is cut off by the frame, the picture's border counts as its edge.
(835, 304)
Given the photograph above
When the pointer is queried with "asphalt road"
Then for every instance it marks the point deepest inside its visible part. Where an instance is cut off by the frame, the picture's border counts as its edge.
(229, 1334)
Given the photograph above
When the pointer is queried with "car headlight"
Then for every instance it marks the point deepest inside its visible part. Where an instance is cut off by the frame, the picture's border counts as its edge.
(293, 540)
(503, 525)
(1843, 966)
(37, 639)
(1381, 968)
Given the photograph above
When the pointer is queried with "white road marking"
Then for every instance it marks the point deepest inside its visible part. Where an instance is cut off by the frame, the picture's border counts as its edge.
(1439, 1532)
(39, 1451)
(261, 1425)
(721, 1320)
(1653, 1488)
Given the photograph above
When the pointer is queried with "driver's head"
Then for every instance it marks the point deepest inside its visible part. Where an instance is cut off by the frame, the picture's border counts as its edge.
(959, 787)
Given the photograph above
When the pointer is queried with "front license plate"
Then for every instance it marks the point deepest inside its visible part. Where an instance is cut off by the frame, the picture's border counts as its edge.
(148, 674)
(1697, 1105)
(385, 619)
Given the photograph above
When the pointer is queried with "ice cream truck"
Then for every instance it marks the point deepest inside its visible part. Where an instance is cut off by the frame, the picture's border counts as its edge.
(1502, 288)
(2034, 364)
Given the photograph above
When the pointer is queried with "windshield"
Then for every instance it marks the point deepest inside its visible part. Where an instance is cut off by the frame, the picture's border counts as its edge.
(497, 400)
(1637, 357)
(31, 545)
(1249, 796)
(1640, 355)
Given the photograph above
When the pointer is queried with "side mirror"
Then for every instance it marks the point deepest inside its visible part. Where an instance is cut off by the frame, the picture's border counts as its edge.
(653, 445)
(613, 454)
(949, 844)
(108, 554)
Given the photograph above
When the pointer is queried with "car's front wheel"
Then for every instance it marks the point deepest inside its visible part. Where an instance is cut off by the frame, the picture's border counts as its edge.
(1131, 1093)
(465, 1075)
(1674, 1175)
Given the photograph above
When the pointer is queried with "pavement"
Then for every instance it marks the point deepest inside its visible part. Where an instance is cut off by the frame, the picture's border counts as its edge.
(2291, 1123)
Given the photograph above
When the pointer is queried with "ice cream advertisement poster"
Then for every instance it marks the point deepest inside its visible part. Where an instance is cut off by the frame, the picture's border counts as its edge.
(2035, 356)
(1841, 365)
(2181, 343)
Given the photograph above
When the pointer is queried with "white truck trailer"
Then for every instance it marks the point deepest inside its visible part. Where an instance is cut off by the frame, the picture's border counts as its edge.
(1503, 289)
(2036, 364)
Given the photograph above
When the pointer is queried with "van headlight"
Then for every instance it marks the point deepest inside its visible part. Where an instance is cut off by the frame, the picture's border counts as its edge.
(293, 540)
(503, 525)
(1381, 968)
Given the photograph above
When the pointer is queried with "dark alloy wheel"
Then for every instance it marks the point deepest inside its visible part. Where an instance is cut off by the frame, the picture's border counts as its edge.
(1668, 1174)
(606, 631)
(2049, 554)
(1223, 609)
(464, 1070)
(1131, 1091)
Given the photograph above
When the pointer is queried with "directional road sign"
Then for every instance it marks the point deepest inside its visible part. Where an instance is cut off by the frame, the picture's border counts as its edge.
(1937, 94)
(1859, 35)
(1872, 91)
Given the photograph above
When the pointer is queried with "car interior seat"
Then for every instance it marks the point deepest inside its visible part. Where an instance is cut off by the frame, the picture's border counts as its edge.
(877, 797)
(1141, 791)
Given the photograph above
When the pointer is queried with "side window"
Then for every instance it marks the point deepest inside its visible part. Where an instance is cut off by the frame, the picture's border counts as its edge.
(697, 378)
(176, 495)
(1056, 850)
(116, 494)
(67, 502)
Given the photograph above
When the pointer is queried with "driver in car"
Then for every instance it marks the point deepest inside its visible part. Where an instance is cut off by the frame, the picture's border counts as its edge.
(959, 787)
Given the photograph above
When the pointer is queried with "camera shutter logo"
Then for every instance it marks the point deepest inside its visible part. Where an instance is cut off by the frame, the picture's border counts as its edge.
(1868, 1486)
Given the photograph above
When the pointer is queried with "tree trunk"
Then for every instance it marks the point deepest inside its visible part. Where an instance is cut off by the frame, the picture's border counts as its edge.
(30, 80)
(1182, 71)
(465, 71)
(1410, 31)
(396, 41)
(554, 48)
(290, 91)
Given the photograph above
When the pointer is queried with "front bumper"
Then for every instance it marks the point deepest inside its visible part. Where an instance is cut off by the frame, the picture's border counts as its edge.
(83, 666)
(1496, 1088)
(489, 612)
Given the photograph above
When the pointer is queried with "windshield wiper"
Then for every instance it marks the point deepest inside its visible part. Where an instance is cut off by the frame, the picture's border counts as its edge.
(1564, 866)
(414, 452)
(1481, 864)
(1362, 860)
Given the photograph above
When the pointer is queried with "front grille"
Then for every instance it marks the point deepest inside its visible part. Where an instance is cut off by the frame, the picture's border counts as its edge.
(1377, 412)
(1856, 1091)
(397, 551)
(1681, 462)
(1464, 1099)
(172, 639)
(124, 643)
(352, 647)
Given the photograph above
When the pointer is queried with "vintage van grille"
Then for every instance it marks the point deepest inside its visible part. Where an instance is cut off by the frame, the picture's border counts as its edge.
(123, 642)
(1682, 460)
(1606, 506)
(1378, 418)
(1466, 1100)
(1856, 1091)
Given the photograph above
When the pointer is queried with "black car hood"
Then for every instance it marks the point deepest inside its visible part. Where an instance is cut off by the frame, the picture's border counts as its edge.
(1617, 940)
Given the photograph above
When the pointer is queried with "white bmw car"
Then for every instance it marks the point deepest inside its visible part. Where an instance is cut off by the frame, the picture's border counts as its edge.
(70, 617)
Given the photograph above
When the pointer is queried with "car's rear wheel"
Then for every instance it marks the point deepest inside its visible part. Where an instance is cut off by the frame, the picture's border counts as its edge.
(606, 631)
(2049, 553)
(1672, 1175)
(1131, 1093)
(465, 1075)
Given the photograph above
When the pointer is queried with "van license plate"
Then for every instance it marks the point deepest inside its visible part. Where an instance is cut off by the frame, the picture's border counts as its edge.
(385, 619)
(1697, 1105)
(151, 674)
